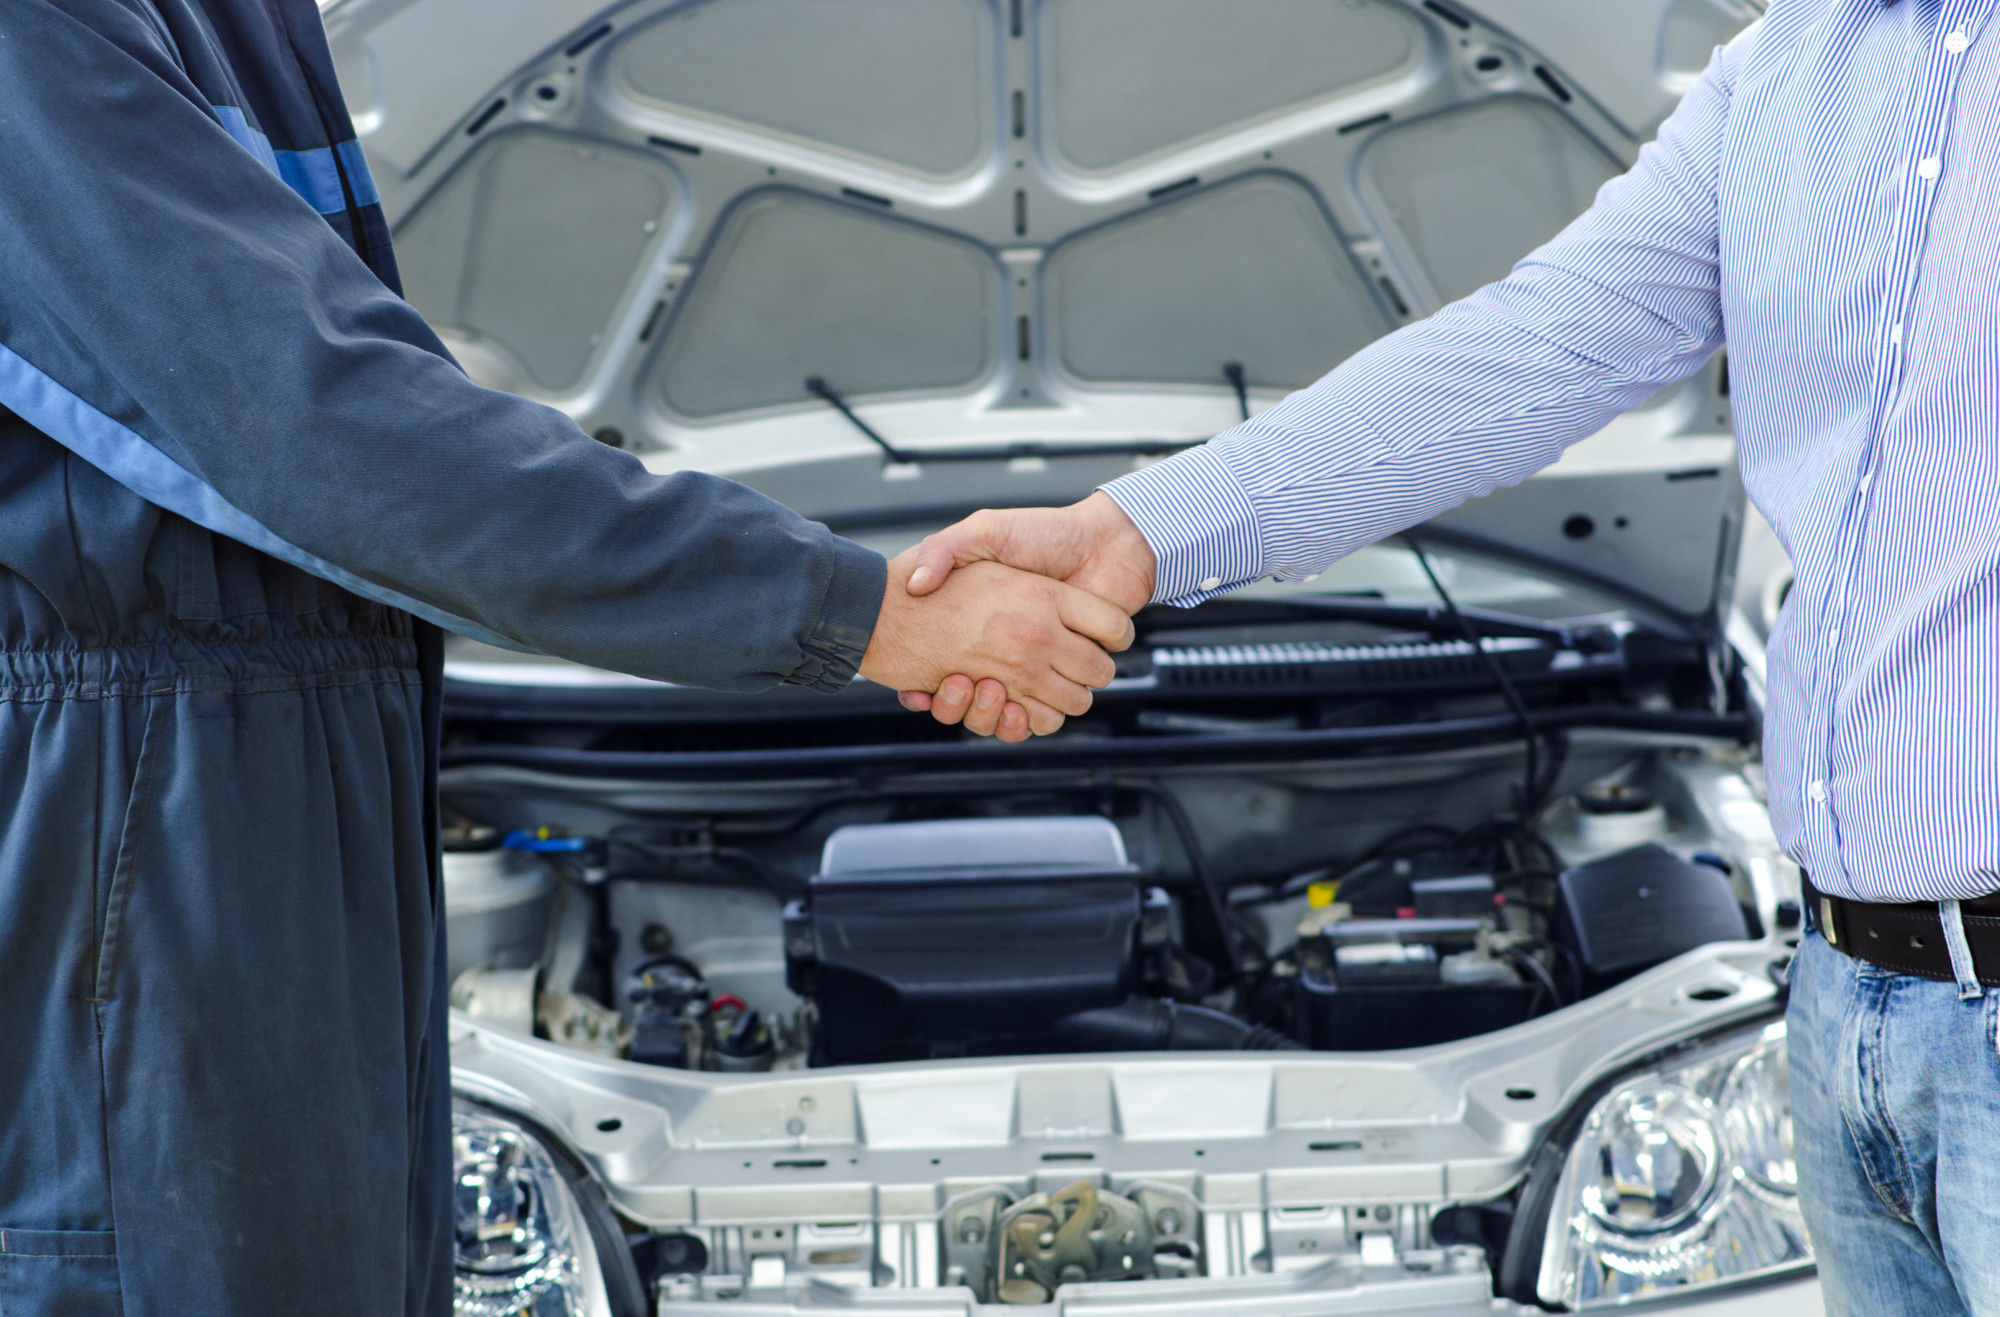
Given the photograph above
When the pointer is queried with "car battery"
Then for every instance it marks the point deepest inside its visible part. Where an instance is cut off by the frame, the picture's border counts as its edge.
(1373, 984)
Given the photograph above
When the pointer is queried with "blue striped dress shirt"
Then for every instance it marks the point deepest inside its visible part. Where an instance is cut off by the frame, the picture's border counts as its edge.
(1828, 194)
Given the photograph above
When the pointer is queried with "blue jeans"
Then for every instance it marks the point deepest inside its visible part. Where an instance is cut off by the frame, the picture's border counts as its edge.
(1896, 1111)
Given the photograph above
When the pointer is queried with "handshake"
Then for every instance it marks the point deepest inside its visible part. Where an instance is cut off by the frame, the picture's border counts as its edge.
(1005, 621)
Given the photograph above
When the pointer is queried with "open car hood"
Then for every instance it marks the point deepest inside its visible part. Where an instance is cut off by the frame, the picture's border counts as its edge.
(1042, 222)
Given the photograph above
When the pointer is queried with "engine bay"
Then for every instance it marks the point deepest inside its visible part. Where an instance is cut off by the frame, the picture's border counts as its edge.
(855, 957)
(916, 922)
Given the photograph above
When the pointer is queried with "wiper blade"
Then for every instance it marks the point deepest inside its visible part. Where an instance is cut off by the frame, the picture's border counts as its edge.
(819, 388)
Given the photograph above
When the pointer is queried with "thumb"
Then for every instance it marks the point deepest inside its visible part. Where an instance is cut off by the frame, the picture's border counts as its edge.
(946, 551)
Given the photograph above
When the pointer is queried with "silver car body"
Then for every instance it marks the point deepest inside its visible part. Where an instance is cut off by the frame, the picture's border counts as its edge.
(1051, 223)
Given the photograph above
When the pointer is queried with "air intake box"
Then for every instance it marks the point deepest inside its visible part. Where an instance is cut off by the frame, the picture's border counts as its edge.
(966, 937)
(1635, 908)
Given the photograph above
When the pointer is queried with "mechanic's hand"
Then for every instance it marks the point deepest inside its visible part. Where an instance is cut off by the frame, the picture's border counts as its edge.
(1041, 642)
(1092, 545)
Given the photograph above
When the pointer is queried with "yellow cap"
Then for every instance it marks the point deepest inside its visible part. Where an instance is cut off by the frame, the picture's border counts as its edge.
(1320, 895)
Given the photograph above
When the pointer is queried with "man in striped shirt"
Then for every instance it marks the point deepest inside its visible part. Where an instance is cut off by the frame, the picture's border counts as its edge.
(1826, 200)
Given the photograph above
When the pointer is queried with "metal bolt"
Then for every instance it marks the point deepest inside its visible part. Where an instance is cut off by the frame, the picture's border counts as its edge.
(1383, 1213)
(1168, 1222)
(795, 1127)
(971, 1230)
(806, 1104)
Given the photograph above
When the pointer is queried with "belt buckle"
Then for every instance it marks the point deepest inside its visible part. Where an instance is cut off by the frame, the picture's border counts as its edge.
(1826, 921)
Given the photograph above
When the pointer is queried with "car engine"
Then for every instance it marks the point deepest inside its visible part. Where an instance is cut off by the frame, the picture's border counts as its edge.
(918, 939)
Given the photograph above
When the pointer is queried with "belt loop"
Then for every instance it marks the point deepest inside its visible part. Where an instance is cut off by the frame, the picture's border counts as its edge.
(1961, 951)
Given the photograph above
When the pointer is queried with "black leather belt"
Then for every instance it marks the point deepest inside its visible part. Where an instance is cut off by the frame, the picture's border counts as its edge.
(1909, 937)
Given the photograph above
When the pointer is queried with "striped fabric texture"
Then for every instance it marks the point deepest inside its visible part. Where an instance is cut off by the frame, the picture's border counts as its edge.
(1827, 200)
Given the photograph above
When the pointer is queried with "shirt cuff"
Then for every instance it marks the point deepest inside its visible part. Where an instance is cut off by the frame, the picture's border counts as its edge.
(1199, 521)
(832, 650)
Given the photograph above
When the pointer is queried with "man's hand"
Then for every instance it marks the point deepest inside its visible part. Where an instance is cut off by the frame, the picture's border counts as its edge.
(1092, 545)
(1040, 642)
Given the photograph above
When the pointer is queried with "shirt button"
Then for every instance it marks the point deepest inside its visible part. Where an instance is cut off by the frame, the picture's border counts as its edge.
(1816, 789)
(1866, 481)
(1957, 42)
(1895, 333)
(1927, 168)
(1211, 582)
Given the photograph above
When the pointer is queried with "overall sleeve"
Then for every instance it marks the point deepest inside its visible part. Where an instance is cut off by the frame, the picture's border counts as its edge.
(176, 315)
(1484, 393)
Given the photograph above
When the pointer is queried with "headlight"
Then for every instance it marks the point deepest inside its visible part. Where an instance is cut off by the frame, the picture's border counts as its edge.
(521, 1245)
(1680, 1177)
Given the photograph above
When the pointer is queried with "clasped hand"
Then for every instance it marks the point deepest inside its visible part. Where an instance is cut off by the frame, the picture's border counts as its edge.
(1006, 621)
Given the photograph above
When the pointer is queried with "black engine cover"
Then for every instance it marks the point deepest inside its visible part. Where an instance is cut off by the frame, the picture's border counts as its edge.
(1634, 909)
(968, 937)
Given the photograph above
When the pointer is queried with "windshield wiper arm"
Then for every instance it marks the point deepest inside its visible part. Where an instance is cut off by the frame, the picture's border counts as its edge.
(819, 388)
(817, 385)
(1233, 372)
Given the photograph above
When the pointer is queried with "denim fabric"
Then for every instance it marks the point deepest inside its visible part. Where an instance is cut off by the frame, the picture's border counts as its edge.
(1896, 1109)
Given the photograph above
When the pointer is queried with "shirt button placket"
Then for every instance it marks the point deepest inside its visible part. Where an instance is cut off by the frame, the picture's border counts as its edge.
(1917, 201)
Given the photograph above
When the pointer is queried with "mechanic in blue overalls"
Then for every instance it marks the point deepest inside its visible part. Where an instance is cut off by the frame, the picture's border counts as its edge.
(240, 480)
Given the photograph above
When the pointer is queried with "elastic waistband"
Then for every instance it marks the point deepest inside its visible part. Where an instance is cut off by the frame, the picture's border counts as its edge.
(178, 665)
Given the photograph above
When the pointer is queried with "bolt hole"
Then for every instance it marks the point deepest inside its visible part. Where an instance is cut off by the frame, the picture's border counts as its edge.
(1620, 523)
(1521, 1094)
(611, 1124)
(547, 92)
(1489, 63)
(1579, 527)
(1714, 992)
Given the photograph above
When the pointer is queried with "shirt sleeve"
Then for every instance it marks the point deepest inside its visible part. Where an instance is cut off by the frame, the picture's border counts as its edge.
(1484, 393)
(171, 311)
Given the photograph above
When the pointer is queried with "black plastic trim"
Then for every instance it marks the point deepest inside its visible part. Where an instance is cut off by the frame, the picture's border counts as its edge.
(1322, 742)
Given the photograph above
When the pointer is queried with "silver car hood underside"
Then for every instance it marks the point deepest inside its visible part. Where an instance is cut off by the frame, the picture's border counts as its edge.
(990, 221)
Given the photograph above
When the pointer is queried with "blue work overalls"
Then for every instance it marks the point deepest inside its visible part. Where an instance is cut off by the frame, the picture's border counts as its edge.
(240, 480)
